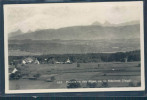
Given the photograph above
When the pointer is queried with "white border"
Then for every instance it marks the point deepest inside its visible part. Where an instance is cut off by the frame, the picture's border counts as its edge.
(7, 91)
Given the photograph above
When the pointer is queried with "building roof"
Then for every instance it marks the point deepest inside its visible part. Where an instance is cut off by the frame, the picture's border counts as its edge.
(28, 59)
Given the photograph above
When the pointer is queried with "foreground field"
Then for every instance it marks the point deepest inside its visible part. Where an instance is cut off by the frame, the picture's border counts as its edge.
(117, 74)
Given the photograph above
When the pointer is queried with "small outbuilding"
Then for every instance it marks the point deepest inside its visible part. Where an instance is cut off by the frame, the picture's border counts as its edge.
(12, 70)
(28, 60)
(68, 61)
(36, 62)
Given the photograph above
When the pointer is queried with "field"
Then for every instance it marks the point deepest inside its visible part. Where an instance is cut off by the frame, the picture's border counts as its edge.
(46, 47)
(56, 76)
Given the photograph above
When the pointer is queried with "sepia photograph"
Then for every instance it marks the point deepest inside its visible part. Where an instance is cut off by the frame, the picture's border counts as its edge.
(74, 47)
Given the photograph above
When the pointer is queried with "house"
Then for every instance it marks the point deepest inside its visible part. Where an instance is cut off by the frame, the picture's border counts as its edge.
(68, 61)
(59, 62)
(45, 59)
(28, 60)
(24, 62)
(12, 71)
(36, 61)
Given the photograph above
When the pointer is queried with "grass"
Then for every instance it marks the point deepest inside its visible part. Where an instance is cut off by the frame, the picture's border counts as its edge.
(86, 71)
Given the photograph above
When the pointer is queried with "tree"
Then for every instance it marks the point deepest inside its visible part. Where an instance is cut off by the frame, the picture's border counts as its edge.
(104, 84)
(16, 75)
(98, 65)
(52, 78)
(37, 75)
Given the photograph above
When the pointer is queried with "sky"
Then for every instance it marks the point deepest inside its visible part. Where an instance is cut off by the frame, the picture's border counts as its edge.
(32, 17)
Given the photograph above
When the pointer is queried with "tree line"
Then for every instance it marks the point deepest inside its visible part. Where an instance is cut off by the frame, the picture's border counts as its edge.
(83, 58)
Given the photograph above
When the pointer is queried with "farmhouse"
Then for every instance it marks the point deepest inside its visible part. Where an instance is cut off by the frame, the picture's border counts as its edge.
(27, 60)
(57, 62)
(24, 62)
(12, 70)
(45, 59)
(126, 59)
(68, 61)
(30, 60)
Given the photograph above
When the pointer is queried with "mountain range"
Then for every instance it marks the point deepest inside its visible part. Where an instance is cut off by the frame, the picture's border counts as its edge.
(96, 30)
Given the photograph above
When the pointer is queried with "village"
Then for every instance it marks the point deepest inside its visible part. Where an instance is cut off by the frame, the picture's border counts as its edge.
(32, 60)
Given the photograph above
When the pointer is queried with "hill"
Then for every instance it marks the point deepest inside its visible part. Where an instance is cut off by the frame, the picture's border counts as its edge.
(90, 32)
(38, 47)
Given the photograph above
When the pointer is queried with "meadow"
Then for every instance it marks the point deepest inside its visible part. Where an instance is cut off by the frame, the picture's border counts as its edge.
(56, 76)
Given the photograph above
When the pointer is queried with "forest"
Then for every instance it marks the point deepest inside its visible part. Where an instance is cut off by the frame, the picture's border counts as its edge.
(83, 58)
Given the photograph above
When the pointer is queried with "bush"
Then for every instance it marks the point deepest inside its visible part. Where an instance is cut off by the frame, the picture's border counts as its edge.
(37, 75)
(138, 83)
(104, 74)
(73, 84)
(16, 75)
(11, 76)
(99, 65)
(52, 78)
(131, 84)
(139, 65)
(78, 65)
(104, 84)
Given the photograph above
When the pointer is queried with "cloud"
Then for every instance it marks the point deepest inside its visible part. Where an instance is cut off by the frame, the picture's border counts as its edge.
(42, 16)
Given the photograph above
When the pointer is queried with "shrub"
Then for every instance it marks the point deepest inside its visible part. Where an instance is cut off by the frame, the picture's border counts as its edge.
(138, 84)
(139, 65)
(131, 84)
(78, 65)
(99, 65)
(104, 84)
(52, 78)
(73, 84)
(37, 75)
(11, 76)
(16, 75)
(104, 74)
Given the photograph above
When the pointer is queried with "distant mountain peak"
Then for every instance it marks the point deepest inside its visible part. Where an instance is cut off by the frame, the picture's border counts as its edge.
(18, 32)
(29, 31)
(134, 22)
(90, 32)
(107, 23)
(96, 23)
